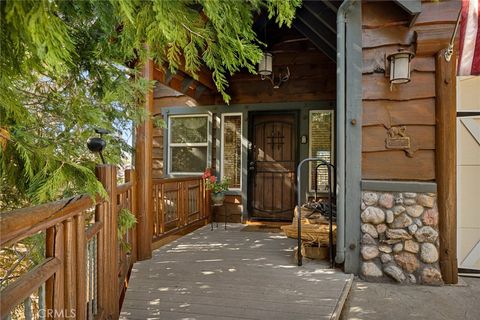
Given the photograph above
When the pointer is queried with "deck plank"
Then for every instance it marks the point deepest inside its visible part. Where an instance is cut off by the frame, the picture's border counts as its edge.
(231, 275)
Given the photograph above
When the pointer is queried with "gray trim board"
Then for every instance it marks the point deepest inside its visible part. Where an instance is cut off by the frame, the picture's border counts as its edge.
(398, 186)
(353, 142)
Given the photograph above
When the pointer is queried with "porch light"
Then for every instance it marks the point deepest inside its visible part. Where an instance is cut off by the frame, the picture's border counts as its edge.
(265, 70)
(265, 66)
(400, 66)
(98, 144)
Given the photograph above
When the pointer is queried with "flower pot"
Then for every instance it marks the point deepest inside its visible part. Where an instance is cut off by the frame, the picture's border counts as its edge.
(217, 198)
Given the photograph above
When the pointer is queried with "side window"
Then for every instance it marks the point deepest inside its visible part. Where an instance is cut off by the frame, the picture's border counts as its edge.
(188, 144)
(320, 146)
(231, 151)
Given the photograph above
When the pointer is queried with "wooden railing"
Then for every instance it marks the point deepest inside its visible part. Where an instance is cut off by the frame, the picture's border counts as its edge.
(84, 272)
(177, 204)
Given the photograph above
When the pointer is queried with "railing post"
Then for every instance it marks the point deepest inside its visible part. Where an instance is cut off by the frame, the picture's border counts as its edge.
(108, 292)
(130, 176)
(55, 285)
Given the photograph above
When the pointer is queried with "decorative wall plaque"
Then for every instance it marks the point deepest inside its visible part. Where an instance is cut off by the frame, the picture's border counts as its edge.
(398, 139)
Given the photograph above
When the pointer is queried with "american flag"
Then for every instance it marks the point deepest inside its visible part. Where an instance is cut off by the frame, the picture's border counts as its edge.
(469, 55)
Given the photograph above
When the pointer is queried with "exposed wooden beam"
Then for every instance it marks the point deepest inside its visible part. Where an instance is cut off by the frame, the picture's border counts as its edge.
(311, 21)
(322, 13)
(331, 6)
(446, 156)
(319, 42)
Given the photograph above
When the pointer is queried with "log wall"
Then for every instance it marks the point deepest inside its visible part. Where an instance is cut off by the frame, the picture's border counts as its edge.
(385, 29)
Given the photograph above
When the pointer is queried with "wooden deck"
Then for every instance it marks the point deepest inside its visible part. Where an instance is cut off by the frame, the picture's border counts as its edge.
(233, 274)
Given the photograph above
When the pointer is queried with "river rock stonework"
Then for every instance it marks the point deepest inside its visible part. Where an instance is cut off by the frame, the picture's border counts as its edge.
(400, 237)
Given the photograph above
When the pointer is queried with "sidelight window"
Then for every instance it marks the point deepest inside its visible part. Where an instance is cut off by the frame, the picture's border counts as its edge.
(232, 149)
(320, 146)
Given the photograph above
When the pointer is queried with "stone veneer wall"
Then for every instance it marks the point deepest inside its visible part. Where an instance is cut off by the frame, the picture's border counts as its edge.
(400, 239)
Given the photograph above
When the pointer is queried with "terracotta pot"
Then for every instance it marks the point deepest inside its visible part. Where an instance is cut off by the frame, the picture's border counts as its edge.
(217, 198)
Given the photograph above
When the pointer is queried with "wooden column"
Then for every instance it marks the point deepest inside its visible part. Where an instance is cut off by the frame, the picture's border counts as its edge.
(143, 167)
(446, 155)
(108, 243)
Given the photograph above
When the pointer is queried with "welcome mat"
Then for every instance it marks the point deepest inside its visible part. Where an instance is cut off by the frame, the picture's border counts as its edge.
(261, 228)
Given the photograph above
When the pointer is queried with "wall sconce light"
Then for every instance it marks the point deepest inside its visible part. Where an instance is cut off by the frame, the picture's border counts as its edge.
(399, 66)
(265, 70)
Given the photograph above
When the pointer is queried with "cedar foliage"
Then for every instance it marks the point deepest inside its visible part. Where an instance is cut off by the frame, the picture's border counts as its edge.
(68, 67)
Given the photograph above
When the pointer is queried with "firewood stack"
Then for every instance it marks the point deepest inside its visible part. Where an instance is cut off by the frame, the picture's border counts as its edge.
(315, 227)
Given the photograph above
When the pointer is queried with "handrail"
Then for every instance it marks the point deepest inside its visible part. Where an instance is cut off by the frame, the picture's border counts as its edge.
(18, 224)
(299, 207)
(176, 179)
(124, 187)
(14, 294)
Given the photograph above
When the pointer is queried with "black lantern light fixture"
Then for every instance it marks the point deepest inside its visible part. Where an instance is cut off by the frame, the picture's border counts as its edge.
(98, 144)
(400, 66)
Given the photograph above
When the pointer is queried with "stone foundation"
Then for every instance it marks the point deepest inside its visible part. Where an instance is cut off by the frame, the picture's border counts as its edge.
(400, 239)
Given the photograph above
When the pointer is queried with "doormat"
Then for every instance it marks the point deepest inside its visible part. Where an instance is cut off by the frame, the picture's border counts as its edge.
(261, 228)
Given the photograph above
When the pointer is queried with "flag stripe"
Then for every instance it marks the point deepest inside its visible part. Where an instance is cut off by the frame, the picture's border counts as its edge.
(470, 37)
(463, 27)
(476, 53)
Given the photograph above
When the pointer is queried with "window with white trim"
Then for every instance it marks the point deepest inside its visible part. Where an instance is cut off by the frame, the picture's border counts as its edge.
(231, 149)
(188, 144)
(320, 146)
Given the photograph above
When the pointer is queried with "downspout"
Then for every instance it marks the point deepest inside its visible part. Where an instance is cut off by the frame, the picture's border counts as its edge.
(341, 109)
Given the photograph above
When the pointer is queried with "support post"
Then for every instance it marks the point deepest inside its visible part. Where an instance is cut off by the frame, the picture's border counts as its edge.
(446, 155)
(143, 165)
(108, 243)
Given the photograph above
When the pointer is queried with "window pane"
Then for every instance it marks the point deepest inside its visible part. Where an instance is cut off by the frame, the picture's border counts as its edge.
(232, 149)
(320, 147)
(189, 129)
(188, 159)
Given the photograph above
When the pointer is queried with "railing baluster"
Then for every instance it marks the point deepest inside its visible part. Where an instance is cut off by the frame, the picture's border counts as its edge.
(27, 308)
(41, 302)
(95, 272)
(90, 281)
(81, 267)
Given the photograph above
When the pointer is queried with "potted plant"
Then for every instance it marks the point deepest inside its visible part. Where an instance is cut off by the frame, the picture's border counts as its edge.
(218, 188)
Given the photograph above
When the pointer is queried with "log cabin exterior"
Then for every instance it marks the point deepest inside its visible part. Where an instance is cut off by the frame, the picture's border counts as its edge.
(396, 202)
(379, 179)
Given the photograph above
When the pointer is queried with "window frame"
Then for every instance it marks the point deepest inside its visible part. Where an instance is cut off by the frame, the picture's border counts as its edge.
(311, 187)
(222, 145)
(187, 144)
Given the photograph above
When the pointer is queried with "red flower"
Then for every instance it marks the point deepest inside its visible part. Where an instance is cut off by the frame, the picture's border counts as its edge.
(213, 179)
(207, 173)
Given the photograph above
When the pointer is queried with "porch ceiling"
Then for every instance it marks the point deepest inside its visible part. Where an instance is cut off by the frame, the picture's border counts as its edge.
(316, 20)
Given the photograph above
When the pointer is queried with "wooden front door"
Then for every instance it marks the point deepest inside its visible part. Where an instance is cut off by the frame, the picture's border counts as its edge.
(272, 164)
